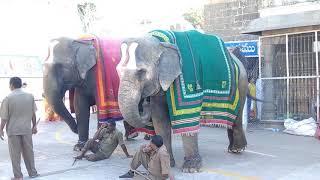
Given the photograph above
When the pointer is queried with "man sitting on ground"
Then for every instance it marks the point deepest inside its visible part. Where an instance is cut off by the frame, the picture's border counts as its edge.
(154, 157)
(103, 143)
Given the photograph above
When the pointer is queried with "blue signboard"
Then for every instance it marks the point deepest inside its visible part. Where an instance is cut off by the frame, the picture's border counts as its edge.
(247, 48)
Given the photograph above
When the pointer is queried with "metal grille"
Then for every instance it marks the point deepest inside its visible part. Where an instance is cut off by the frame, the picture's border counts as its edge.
(275, 94)
(302, 93)
(317, 49)
(289, 75)
(302, 58)
(273, 57)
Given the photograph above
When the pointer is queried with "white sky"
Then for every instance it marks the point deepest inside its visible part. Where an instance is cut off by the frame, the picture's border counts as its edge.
(27, 25)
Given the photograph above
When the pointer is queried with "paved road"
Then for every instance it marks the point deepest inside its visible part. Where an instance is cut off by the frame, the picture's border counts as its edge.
(270, 155)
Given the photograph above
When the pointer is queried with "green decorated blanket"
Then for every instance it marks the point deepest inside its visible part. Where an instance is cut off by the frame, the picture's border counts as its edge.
(206, 92)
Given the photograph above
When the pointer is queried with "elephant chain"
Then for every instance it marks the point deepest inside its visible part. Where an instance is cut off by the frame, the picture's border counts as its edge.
(194, 158)
(192, 163)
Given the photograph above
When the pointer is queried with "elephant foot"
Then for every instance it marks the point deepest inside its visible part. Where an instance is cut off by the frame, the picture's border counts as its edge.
(235, 149)
(192, 164)
(79, 146)
(237, 139)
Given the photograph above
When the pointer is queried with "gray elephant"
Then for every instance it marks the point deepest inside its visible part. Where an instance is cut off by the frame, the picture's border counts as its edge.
(71, 65)
(147, 69)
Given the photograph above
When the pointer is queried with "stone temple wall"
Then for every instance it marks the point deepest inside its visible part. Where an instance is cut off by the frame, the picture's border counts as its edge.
(228, 18)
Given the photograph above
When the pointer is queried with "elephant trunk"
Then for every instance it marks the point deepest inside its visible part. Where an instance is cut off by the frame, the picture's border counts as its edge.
(54, 94)
(129, 98)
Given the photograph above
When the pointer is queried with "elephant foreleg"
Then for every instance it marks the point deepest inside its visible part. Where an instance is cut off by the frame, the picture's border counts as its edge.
(82, 110)
(161, 122)
(192, 160)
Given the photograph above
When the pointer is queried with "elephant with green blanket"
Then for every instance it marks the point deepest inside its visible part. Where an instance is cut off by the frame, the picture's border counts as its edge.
(147, 69)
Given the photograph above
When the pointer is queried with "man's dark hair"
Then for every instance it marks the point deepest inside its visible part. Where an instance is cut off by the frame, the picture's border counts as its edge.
(16, 82)
(157, 140)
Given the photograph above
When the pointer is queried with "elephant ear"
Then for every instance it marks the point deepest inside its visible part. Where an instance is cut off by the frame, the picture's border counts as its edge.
(169, 65)
(85, 56)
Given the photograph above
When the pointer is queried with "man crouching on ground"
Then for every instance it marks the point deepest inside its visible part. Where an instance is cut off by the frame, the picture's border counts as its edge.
(103, 143)
(154, 157)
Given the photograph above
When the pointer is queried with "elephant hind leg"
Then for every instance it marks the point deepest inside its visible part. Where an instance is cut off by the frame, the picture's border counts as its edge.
(230, 137)
(237, 140)
(236, 135)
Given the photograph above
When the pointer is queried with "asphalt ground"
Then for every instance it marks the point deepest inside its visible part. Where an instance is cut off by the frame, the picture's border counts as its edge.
(269, 155)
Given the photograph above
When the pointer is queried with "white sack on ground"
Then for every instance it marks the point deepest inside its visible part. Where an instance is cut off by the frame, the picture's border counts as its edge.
(306, 127)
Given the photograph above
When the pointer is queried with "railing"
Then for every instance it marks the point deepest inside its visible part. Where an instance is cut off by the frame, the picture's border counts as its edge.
(289, 70)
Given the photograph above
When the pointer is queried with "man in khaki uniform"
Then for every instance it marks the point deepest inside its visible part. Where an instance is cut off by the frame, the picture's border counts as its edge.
(103, 143)
(154, 157)
(17, 111)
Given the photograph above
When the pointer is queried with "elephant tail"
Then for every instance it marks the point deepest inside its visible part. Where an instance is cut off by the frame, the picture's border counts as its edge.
(256, 99)
(259, 100)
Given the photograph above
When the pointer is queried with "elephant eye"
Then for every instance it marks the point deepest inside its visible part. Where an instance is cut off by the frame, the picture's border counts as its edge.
(141, 73)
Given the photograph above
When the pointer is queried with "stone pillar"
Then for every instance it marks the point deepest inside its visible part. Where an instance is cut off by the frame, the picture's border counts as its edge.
(268, 50)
